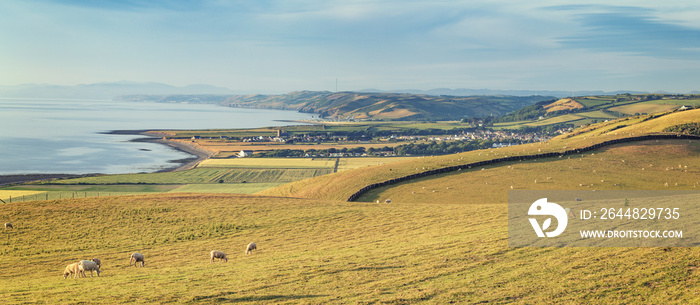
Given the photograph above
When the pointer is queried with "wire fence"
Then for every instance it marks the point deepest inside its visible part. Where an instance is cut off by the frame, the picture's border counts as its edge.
(51, 195)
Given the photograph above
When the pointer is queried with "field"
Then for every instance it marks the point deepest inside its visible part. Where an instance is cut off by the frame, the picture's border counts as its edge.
(353, 163)
(198, 180)
(7, 195)
(238, 175)
(270, 163)
(316, 252)
(648, 107)
(634, 166)
(234, 188)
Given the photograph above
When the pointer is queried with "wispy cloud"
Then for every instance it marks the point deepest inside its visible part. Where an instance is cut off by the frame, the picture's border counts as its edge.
(385, 44)
(633, 30)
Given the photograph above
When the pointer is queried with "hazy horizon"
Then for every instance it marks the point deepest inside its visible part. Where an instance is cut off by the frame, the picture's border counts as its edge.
(284, 46)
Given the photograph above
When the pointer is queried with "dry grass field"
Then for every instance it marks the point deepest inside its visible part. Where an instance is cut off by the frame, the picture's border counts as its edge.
(634, 166)
(313, 252)
(270, 163)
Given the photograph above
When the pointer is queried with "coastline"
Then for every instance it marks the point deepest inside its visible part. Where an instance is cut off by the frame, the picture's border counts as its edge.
(198, 153)
(158, 137)
(151, 136)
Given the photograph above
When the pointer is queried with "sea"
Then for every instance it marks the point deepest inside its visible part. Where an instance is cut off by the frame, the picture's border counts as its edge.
(41, 136)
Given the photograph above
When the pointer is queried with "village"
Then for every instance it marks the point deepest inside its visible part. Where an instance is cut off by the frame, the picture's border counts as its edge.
(396, 144)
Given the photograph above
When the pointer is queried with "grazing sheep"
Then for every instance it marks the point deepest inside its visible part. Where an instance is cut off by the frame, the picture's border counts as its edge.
(250, 247)
(387, 201)
(88, 266)
(98, 262)
(136, 258)
(8, 226)
(218, 254)
(72, 271)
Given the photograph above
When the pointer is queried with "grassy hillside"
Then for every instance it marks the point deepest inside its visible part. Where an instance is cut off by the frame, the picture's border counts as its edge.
(315, 252)
(583, 110)
(387, 105)
(340, 186)
(391, 106)
(634, 166)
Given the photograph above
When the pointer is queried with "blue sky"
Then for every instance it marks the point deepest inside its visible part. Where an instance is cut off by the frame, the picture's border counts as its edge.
(269, 46)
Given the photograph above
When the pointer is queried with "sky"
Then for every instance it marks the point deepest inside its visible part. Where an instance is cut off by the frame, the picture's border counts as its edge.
(268, 46)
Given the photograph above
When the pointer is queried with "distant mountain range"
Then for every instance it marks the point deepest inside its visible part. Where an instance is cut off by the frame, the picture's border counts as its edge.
(105, 91)
(471, 92)
(110, 90)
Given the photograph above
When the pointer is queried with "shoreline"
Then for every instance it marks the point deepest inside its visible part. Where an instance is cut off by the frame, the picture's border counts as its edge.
(157, 136)
(151, 136)
(198, 153)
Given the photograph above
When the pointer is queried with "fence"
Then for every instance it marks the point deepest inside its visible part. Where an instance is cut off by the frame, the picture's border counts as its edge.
(51, 195)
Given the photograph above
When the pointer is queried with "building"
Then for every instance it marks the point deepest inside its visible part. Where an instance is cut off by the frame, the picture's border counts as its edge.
(245, 153)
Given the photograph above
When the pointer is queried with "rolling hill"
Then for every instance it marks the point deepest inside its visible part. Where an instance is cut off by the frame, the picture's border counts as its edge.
(314, 251)
(583, 110)
(355, 105)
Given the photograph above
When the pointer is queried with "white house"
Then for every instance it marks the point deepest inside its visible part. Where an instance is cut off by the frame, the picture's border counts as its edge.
(245, 153)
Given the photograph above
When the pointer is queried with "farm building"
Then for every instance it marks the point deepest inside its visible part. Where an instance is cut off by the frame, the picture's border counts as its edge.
(245, 153)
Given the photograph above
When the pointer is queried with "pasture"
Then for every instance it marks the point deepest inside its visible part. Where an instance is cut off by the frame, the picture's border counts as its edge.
(647, 107)
(353, 163)
(8, 194)
(203, 175)
(198, 180)
(281, 163)
(232, 188)
(312, 251)
(634, 166)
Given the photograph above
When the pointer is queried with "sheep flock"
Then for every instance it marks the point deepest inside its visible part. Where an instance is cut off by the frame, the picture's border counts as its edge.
(80, 268)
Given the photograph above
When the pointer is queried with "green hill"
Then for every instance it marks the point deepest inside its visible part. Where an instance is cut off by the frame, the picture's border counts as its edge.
(388, 105)
(356, 105)
(578, 111)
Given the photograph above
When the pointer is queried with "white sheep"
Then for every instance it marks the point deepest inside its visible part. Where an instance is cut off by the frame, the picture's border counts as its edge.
(218, 254)
(136, 258)
(71, 270)
(8, 226)
(250, 247)
(88, 266)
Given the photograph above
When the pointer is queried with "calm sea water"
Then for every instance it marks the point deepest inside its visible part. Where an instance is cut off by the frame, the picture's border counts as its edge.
(63, 136)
